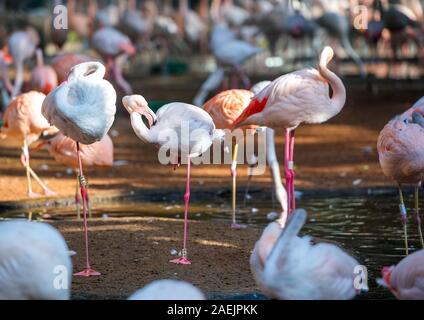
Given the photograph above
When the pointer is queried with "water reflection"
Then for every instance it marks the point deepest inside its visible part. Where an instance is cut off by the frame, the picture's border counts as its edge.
(368, 228)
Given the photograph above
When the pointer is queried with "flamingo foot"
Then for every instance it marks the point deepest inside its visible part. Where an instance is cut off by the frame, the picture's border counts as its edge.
(87, 273)
(49, 193)
(238, 226)
(33, 195)
(182, 260)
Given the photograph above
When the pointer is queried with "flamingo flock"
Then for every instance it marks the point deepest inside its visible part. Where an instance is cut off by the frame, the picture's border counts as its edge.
(71, 104)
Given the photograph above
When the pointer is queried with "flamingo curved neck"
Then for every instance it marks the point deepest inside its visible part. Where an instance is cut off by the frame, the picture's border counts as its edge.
(92, 70)
(140, 128)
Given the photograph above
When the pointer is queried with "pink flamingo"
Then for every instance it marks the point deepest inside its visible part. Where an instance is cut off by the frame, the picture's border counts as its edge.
(191, 128)
(286, 266)
(298, 97)
(83, 108)
(402, 158)
(110, 44)
(43, 77)
(23, 120)
(64, 151)
(225, 108)
(406, 279)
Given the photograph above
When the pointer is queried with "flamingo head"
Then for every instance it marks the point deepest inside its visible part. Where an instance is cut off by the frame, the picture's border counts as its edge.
(137, 104)
(128, 48)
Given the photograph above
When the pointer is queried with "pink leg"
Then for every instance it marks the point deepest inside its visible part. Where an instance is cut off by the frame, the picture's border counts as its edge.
(244, 78)
(184, 259)
(291, 167)
(87, 272)
(287, 171)
(234, 79)
(224, 85)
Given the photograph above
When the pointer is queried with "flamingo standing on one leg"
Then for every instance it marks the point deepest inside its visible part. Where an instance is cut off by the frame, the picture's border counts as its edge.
(193, 127)
(43, 77)
(224, 109)
(402, 158)
(298, 97)
(98, 154)
(406, 279)
(286, 266)
(83, 109)
(23, 120)
(31, 256)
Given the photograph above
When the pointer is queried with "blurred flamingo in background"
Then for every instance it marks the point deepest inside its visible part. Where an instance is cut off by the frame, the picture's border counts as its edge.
(111, 44)
(83, 108)
(31, 254)
(82, 22)
(6, 86)
(298, 97)
(43, 77)
(232, 52)
(63, 64)
(64, 151)
(168, 289)
(289, 267)
(406, 279)
(22, 46)
(170, 120)
(23, 120)
(402, 158)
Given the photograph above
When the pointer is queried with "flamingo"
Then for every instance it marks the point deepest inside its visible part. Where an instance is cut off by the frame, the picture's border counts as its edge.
(63, 63)
(110, 44)
(186, 121)
(406, 279)
(32, 256)
(23, 120)
(289, 267)
(81, 23)
(6, 86)
(43, 77)
(231, 51)
(22, 46)
(401, 157)
(224, 109)
(168, 289)
(83, 108)
(298, 97)
(98, 154)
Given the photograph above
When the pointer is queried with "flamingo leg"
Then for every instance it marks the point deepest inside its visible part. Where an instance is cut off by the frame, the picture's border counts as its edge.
(88, 271)
(287, 171)
(417, 212)
(25, 163)
(46, 190)
(291, 168)
(78, 198)
(234, 224)
(403, 216)
(184, 260)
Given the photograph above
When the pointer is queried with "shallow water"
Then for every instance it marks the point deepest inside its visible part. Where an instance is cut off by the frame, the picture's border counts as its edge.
(367, 227)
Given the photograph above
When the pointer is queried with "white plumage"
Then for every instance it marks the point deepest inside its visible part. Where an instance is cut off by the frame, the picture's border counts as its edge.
(287, 266)
(82, 108)
(168, 290)
(33, 257)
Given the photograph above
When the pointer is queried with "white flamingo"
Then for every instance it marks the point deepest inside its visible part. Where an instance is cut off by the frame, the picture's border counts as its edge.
(83, 109)
(168, 289)
(186, 130)
(32, 256)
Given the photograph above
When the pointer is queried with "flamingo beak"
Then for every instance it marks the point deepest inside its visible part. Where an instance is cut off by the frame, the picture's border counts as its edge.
(128, 48)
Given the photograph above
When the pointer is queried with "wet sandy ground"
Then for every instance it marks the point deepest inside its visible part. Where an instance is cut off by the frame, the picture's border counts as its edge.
(339, 154)
(130, 252)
